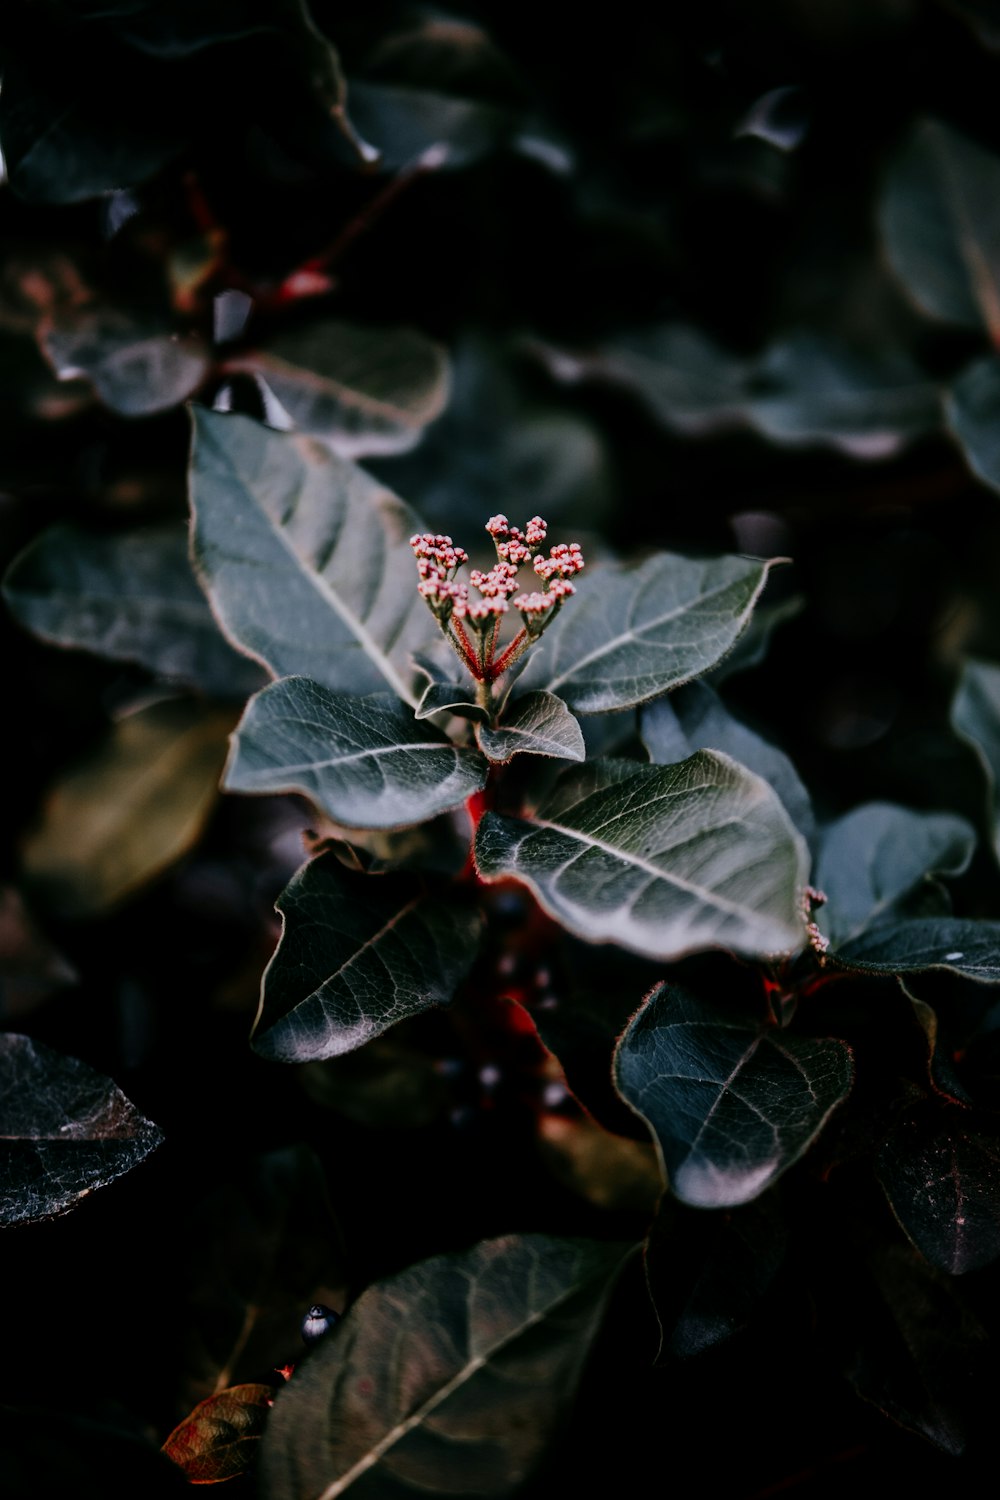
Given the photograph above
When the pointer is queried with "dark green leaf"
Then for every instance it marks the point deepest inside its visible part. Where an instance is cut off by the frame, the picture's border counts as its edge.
(942, 225)
(941, 1173)
(875, 855)
(971, 408)
(357, 955)
(975, 714)
(662, 860)
(958, 943)
(694, 718)
(413, 126)
(447, 1378)
(136, 368)
(926, 1360)
(366, 762)
(363, 390)
(731, 1105)
(537, 724)
(64, 1131)
(632, 633)
(449, 698)
(219, 1439)
(708, 1273)
(305, 558)
(131, 596)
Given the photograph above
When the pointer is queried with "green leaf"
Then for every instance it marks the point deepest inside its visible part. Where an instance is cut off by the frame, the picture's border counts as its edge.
(731, 1104)
(406, 124)
(971, 408)
(131, 596)
(662, 860)
(874, 856)
(942, 226)
(64, 1131)
(357, 954)
(445, 1379)
(135, 367)
(940, 1170)
(366, 762)
(537, 724)
(975, 715)
(132, 807)
(306, 559)
(219, 1440)
(363, 390)
(803, 390)
(632, 633)
(695, 718)
(958, 944)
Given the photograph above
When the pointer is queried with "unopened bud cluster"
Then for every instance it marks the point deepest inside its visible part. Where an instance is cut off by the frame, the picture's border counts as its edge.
(438, 562)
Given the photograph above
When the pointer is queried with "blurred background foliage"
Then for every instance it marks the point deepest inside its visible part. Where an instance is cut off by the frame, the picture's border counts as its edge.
(719, 277)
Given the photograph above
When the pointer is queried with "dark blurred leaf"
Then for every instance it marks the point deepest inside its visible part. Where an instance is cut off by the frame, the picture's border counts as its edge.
(634, 632)
(924, 1365)
(362, 390)
(806, 389)
(755, 642)
(695, 718)
(613, 1172)
(410, 126)
(662, 860)
(941, 222)
(975, 714)
(136, 367)
(365, 761)
(357, 955)
(940, 1168)
(535, 724)
(219, 1439)
(732, 1105)
(305, 558)
(872, 858)
(64, 1131)
(131, 596)
(43, 1452)
(708, 1273)
(971, 408)
(130, 809)
(449, 1376)
(387, 1085)
(957, 943)
(265, 1246)
(981, 16)
(30, 967)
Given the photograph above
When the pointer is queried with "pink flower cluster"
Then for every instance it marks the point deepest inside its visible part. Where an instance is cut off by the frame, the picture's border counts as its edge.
(438, 561)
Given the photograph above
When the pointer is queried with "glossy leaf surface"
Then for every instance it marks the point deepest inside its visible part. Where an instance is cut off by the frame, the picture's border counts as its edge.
(306, 559)
(357, 955)
(64, 1131)
(957, 943)
(366, 762)
(731, 1105)
(662, 860)
(632, 633)
(449, 1376)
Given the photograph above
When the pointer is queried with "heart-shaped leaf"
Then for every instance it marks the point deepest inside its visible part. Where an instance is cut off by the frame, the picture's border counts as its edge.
(633, 633)
(366, 762)
(220, 1438)
(131, 596)
(695, 718)
(876, 854)
(363, 390)
(357, 955)
(940, 1170)
(975, 714)
(942, 228)
(306, 559)
(64, 1131)
(732, 1105)
(958, 943)
(970, 409)
(536, 724)
(660, 859)
(447, 1378)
